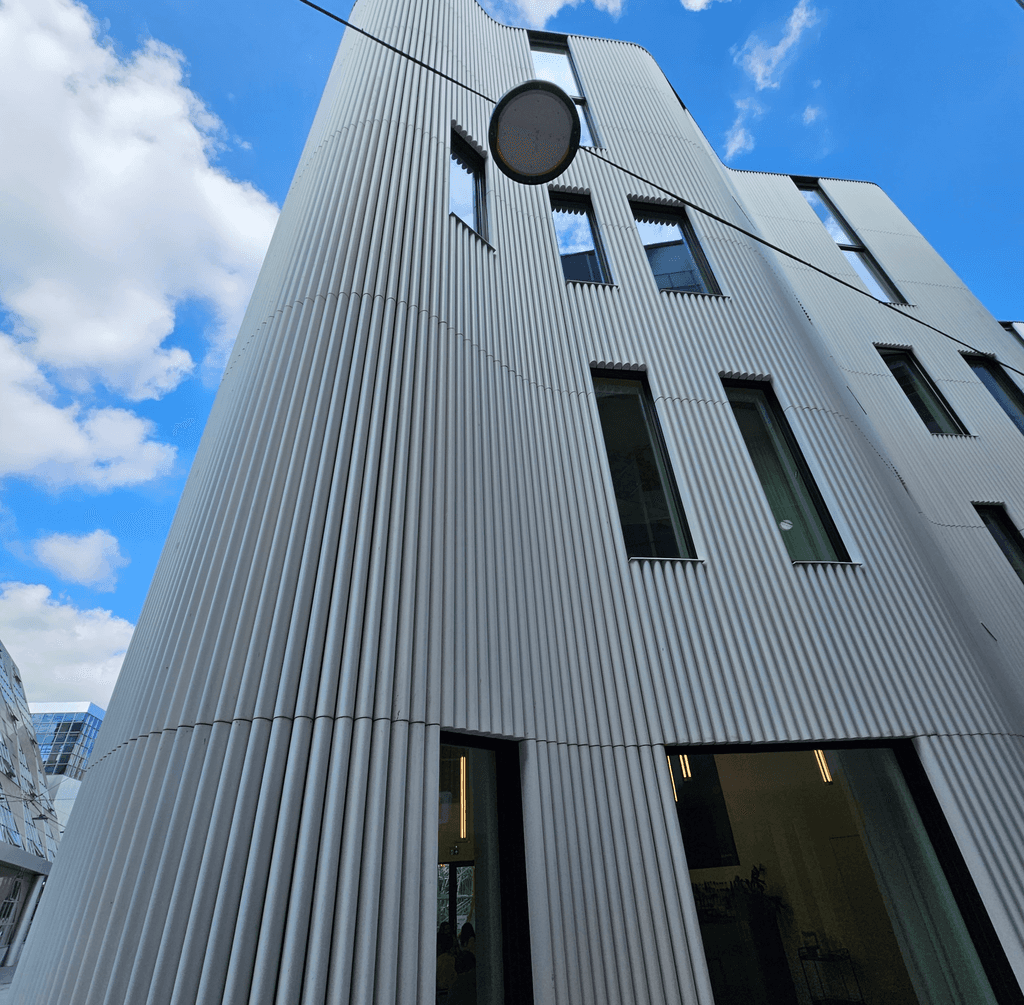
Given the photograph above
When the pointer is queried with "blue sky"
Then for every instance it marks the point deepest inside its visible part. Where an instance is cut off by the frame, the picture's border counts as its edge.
(148, 146)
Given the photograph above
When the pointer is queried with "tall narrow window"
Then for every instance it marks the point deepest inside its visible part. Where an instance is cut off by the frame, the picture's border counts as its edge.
(579, 246)
(1006, 535)
(1004, 390)
(923, 394)
(675, 256)
(466, 193)
(795, 501)
(815, 880)
(864, 264)
(553, 62)
(645, 491)
(483, 938)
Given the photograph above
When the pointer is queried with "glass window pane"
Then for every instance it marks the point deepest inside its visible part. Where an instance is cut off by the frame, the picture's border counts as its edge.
(462, 193)
(556, 68)
(791, 495)
(586, 137)
(469, 936)
(671, 254)
(1006, 535)
(862, 266)
(645, 495)
(927, 401)
(576, 242)
(833, 892)
(837, 231)
(1004, 390)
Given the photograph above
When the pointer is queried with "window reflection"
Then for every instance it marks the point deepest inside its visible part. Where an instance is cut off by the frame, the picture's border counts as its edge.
(815, 882)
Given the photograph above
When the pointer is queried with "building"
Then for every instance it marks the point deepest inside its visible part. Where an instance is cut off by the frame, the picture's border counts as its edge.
(561, 560)
(65, 732)
(29, 832)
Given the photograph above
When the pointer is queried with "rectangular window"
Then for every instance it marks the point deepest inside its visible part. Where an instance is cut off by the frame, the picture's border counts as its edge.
(1000, 386)
(871, 275)
(580, 248)
(829, 888)
(795, 501)
(483, 937)
(466, 192)
(645, 491)
(553, 62)
(923, 394)
(1006, 535)
(675, 256)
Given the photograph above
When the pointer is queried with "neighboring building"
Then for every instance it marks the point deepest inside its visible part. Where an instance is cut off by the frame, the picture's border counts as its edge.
(29, 832)
(561, 561)
(65, 732)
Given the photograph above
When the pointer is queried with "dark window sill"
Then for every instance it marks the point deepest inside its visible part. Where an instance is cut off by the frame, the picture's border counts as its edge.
(644, 558)
(462, 223)
(802, 561)
(590, 282)
(694, 293)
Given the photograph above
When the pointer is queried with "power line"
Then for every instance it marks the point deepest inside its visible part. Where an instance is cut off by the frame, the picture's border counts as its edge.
(677, 198)
(388, 45)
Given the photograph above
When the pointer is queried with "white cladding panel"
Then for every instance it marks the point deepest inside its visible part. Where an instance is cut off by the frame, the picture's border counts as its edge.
(400, 520)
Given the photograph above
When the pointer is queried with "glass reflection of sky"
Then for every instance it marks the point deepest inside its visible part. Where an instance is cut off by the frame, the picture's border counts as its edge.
(573, 230)
(866, 275)
(555, 67)
(836, 230)
(462, 194)
(658, 233)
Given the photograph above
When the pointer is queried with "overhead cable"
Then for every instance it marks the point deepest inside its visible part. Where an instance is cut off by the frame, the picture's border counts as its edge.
(677, 198)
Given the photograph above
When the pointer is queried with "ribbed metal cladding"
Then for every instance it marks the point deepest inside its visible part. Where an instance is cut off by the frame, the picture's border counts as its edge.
(400, 520)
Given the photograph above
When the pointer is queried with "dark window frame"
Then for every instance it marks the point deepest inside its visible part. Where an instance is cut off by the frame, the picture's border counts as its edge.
(857, 246)
(463, 152)
(807, 476)
(568, 202)
(545, 41)
(921, 375)
(667, 214)
(1007, 525)
(1003, 380)
(517, 969)
(684, 538)
(977, 921)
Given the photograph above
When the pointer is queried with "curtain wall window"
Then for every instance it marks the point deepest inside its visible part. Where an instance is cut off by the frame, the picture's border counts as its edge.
(579, 246)
(673, 252)
(815, 881)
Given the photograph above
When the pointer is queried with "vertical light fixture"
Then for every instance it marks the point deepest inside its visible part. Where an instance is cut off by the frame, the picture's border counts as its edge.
(462, 797)
(826, 775)
(672, 775)
(684, 764)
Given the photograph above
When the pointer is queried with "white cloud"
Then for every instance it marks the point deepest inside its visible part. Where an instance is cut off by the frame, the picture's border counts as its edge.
(64, 653)
(101, 448)
(91, 559)
(739, 139)
(698, 4)
(810, 114)
(112, 209)
(535, 13)
(764, 62)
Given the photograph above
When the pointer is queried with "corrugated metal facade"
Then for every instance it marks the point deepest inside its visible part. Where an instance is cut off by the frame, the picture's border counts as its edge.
(400, 521)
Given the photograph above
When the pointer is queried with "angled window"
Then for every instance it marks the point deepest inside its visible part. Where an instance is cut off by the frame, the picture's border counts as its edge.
(1000, 386)
(676, 259)
(579, 246)
(552, 61)
(1006, 535)
(795, 501)
(923, 394)
(645, 491)
(466, 198)
(483, 936)
(822, 876)
(864, 264)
